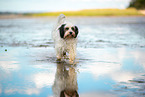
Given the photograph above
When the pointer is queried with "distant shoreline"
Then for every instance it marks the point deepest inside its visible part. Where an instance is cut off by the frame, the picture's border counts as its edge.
(82, 13)
(142, 11)
(22, 16)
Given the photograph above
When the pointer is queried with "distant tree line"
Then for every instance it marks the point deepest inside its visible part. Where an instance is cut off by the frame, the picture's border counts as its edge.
(138, 4)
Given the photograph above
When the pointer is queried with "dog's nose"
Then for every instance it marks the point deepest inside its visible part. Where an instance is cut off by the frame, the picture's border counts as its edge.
(70, 32)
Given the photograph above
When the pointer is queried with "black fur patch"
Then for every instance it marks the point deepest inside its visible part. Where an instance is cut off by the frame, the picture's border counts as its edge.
(61, 30)
(76, 31)
(62, 94)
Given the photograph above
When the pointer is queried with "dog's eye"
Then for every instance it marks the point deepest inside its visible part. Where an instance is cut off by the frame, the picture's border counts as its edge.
(66, 28)
(72, 28)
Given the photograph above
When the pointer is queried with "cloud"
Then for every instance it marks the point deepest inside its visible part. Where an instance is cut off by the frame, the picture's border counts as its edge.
(63, 5)
(102, 0)
(98, 94)
(139, 57)
(43, 79)
(0, 90)
(28, 91)
(123, 76)
(101, 68)
(8, 66)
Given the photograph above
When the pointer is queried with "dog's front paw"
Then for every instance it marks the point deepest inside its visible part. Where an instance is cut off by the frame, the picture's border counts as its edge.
(58, 57)
(71, 57)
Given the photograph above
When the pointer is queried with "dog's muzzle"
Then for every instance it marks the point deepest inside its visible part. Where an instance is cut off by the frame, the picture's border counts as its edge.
(70, 33)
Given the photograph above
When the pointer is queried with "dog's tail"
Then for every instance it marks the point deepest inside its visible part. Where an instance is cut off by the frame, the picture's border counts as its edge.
(61, 19)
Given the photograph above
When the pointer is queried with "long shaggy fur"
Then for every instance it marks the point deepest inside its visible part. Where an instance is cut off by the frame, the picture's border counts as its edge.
(65, 80)
(62, 41)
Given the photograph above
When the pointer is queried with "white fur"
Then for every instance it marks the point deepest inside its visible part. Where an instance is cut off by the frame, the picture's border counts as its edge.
(65, 79)
(64, 45)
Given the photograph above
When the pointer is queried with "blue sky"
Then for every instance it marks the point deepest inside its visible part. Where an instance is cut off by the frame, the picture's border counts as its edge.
(58, 5)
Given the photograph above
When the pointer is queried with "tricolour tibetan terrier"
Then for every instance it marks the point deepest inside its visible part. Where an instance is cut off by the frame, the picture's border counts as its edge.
(64, 35)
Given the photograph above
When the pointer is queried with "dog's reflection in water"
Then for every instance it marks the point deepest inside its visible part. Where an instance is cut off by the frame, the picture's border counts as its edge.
(65, 84)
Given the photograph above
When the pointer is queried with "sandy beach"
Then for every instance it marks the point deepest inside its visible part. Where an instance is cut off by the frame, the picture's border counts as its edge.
(110, 58)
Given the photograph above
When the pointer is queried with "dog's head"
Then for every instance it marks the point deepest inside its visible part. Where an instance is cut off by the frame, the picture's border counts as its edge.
(68, 31)
(66, 93)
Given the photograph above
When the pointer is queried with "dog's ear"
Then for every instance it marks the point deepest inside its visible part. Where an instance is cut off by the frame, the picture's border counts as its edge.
(77, 95)
(76, 31)
(61, 30)
(62, 94)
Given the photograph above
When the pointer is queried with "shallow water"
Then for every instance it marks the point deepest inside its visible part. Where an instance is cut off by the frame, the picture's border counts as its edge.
(110, 58)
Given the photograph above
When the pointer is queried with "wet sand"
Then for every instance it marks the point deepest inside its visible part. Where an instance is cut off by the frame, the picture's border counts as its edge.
(110, 58)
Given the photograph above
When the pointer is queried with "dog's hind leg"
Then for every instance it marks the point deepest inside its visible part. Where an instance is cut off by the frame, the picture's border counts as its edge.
(58, 57)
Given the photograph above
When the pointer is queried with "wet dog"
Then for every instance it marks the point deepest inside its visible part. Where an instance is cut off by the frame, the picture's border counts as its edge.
(65, 84)
(64, 35)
